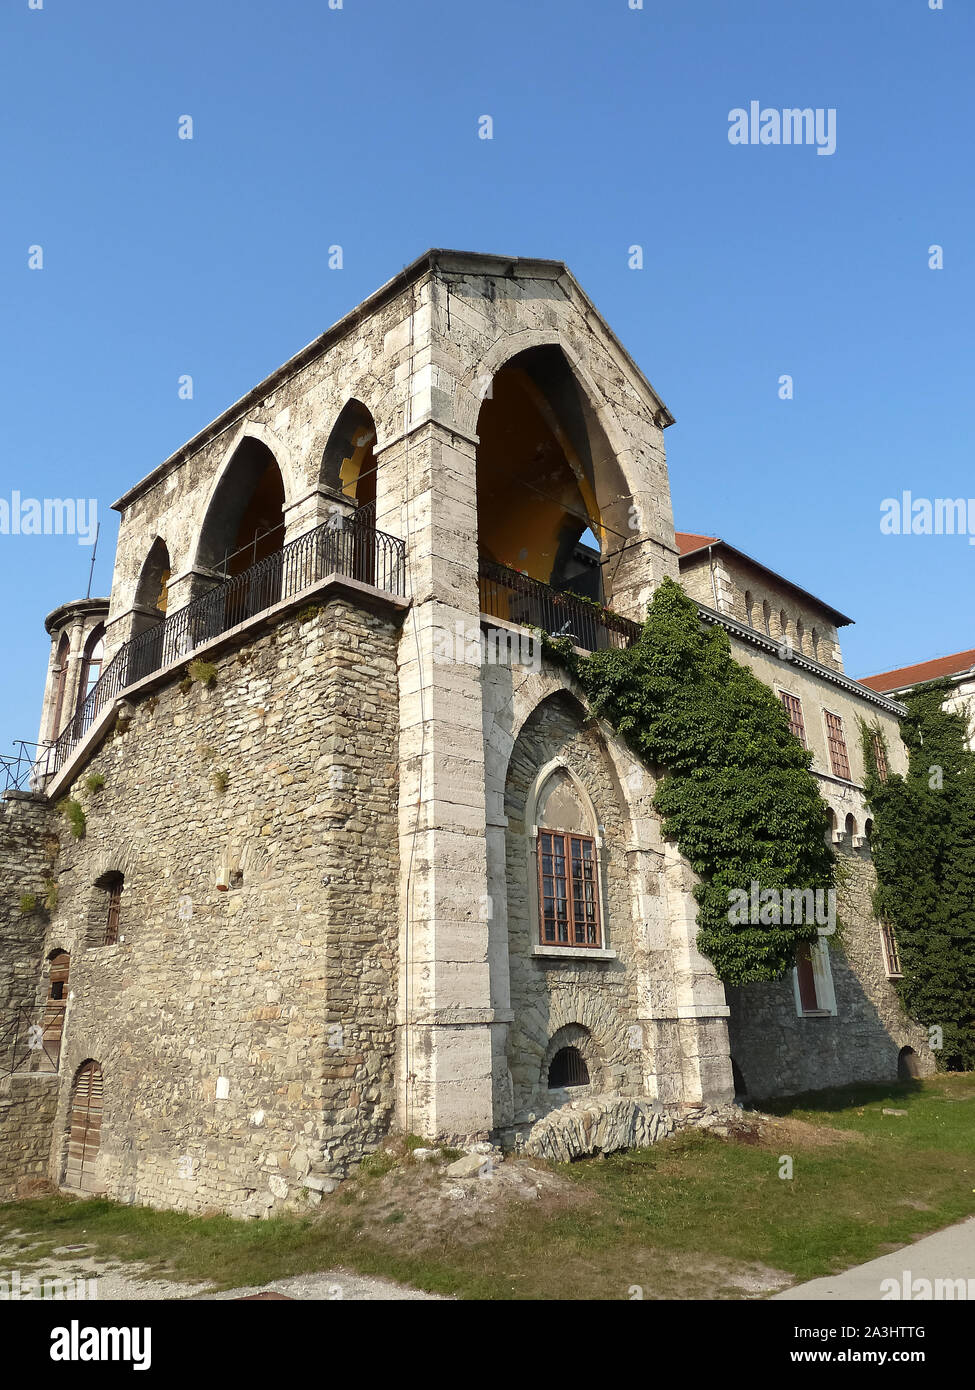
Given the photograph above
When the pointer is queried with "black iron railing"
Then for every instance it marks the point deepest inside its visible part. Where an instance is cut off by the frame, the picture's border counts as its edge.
(17, 769)
(349, 546)
(513, 596)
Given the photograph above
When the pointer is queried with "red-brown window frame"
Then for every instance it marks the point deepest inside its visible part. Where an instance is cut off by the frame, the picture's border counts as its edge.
(793, 708)
(808, 996)
(892, 955)
(576, 925)
(839, 758)
(114, 890)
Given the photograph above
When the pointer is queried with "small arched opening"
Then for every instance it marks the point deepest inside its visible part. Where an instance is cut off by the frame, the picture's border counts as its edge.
(908, 1065)
(567, 1068)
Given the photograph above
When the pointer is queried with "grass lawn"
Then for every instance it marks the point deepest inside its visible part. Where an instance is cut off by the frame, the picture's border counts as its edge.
(694, 1217)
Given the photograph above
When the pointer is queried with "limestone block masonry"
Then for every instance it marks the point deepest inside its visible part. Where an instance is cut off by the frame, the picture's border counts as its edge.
(244, 1022)
(303, 911)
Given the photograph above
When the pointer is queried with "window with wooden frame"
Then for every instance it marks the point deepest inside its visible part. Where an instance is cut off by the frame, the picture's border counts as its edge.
(568, 890)
(813, 979)
(880, 754)
(838, 758)
(106, 910)
(892, 956)
(793, 708)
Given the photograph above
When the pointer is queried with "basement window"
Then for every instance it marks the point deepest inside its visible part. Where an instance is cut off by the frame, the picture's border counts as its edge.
(567, 1068)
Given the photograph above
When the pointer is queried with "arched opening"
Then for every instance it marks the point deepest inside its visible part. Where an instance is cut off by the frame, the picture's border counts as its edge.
(61, 666)
(815, 642)
(349, 460)
(567, 1068)
(104, 929)
(908, 1065)
(552, 505)
(91, 663)
(767, 617)
(85, 1125)
(851, 826)
(831, 825)
(800, 633)
(244, 523)
(151, 604)
(241, 539)
(58, 966)
(749, 608)
(567, 865)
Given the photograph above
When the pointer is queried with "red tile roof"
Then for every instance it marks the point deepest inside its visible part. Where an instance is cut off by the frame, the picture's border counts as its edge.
(923, 671)
(688, 541)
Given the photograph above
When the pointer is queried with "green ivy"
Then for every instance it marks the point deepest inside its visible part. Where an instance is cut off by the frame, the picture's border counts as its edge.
(923, 847)
(734, 789)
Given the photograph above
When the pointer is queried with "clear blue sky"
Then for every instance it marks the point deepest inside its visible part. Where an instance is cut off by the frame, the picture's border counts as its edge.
(359, 127)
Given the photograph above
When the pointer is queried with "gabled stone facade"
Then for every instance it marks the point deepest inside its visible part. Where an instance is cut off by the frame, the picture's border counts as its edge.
(307, 905)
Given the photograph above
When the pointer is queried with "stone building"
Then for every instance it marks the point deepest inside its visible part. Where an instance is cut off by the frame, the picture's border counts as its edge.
(959, 669)
(323, 848)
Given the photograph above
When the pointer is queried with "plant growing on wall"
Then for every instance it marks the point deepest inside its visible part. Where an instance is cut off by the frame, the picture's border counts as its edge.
(923, 847)
(736, 795)
(203, 671)
(74, 814)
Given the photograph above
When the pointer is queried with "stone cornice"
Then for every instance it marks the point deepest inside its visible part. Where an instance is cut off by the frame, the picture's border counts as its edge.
(815, 668)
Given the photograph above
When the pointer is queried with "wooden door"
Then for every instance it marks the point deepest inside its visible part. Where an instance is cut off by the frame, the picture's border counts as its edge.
(86, 1125)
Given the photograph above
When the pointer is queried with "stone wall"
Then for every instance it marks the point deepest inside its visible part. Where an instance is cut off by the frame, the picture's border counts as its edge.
(28, 850)
(587, 1003)
(728, 579)
(779, 1053)
(244, 1022)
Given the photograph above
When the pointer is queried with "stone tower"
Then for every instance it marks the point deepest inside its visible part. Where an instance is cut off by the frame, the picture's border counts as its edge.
(350, 855)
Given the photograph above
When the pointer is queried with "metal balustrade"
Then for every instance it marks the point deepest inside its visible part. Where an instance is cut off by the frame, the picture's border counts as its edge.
(349, 546)
(517, 598)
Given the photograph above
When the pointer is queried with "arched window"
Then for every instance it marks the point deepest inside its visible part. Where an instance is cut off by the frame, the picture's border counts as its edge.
(815, 642)
(58, 964)
(800, 633)
(767, 618)
(568, 866)
(868, 829)
(783, 622)
(107, 910)
(749, 605)
(851, 826)
(567, 1068)
(91, 665)
(831, 829)
(64, 648)
(85, 1125)
(349, 460)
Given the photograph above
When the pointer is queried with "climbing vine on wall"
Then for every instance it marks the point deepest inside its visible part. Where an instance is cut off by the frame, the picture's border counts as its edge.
(923, 847)
(736, 791)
